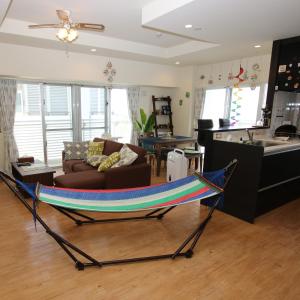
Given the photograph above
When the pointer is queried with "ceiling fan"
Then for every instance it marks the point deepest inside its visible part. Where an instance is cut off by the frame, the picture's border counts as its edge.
(67, 29)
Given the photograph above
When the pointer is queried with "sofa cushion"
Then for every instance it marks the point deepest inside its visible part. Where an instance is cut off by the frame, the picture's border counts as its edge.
(82, 167)
(69, 164)
(110, 161)
(96, 160)
(140, 152)
(81, 180)
(127, 157)
(111, 146)
(95, 148)
(75, 150)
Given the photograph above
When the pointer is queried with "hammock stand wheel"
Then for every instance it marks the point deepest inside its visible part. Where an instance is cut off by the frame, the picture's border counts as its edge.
(184, 250)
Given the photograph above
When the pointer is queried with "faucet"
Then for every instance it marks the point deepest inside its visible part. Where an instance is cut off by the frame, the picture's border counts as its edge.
(250, 135)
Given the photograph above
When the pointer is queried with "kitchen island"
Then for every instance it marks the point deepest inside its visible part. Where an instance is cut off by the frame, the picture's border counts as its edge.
(268, 175)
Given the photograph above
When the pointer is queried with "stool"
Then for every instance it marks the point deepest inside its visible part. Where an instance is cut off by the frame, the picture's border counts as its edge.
(194, 155)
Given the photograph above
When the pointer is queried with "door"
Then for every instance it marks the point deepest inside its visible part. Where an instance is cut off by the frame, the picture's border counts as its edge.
(93, 107)
(58, 121)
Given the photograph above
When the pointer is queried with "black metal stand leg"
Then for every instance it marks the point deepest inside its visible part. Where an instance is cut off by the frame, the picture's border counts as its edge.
(160, 216)
(88, 220)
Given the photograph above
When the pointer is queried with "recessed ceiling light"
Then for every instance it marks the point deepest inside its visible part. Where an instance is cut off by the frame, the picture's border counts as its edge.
(177, 63)
(93, 50)
(257, 46)
(187, 26)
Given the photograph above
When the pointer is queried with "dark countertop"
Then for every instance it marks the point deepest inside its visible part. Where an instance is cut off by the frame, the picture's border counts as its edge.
(231, 128)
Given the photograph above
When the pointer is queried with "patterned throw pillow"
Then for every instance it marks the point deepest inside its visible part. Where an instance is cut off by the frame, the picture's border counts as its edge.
(96, 160)
(76, 150)
(95, 148)
(111, 160)
(127, 157)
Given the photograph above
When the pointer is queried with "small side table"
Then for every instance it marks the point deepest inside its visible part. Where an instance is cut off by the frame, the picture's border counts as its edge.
(33, 174)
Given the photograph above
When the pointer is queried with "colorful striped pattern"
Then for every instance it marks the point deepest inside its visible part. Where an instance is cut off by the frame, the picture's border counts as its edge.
(185, 190)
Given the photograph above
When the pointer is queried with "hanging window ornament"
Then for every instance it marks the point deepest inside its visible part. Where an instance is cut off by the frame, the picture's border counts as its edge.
(109, 72)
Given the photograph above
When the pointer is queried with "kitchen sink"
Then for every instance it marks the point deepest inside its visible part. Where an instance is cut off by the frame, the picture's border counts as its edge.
(264, 144)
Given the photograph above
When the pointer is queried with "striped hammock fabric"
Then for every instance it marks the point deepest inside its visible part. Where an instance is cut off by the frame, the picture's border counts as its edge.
(185, 190)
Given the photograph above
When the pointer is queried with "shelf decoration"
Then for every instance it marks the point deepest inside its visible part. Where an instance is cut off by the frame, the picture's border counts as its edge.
(109, 72)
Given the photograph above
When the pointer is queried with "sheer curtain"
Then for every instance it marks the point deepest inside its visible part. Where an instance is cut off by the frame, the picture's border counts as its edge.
(198, 108)
(133, 94)
(8, 92)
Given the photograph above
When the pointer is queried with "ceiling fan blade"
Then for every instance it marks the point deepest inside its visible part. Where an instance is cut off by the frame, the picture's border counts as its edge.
(63, 15)
(45, 26)
(89, 26)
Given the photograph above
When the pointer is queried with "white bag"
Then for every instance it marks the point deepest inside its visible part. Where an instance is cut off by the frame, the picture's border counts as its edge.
(177, 165)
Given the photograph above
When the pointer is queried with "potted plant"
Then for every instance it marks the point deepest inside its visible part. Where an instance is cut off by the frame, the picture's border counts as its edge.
(146, 124)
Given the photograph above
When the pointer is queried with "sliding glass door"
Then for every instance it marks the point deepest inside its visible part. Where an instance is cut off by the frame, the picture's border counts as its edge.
(120, 125)
(28, 129)
(93, 106)
(49, 114)
(58, 120)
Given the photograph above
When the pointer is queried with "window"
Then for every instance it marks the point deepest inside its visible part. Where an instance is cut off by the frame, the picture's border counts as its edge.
(240, 105)
(58, 120)
(120, 121)
(214, 105)
(93, 112)
(49, 114)
(28, 129)
(244, 105)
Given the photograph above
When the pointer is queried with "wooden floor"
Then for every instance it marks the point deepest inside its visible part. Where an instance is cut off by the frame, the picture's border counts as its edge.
(234, 259)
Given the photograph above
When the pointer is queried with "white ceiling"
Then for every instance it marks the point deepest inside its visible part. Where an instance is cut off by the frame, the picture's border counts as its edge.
(229, 28)
(122, 18)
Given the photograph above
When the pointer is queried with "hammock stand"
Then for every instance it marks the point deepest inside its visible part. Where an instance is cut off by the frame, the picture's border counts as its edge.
(185, 249)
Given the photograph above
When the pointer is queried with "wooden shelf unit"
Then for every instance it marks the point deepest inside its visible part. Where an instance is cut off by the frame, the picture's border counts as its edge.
(157, 111)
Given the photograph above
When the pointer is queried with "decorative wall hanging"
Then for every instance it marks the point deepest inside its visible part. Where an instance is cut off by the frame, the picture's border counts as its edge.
(239, 77)
(109, 72)
(236, 103)
(256, 67)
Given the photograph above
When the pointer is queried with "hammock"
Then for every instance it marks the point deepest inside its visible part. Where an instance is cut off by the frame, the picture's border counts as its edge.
(182, 191)
(160, 199)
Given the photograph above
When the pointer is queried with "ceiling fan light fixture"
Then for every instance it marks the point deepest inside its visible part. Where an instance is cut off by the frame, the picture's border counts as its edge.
(72, 35)
(68, 31)
(62, 34)
(67, 35)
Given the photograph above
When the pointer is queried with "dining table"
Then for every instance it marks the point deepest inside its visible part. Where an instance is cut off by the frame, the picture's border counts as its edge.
(159, 143)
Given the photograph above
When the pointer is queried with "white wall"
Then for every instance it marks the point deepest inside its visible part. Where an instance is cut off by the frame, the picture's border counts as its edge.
(54, 65)
(147, 92)
(183, 113)
(212, 71)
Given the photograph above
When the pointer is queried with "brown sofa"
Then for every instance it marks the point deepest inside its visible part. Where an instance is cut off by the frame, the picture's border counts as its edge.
(80, 175)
